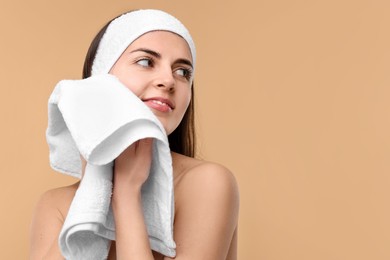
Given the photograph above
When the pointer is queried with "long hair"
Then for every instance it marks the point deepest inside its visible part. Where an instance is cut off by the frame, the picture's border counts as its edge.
(183, 139)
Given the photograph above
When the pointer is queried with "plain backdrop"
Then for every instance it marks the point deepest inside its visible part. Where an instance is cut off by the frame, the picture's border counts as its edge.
(292, 96)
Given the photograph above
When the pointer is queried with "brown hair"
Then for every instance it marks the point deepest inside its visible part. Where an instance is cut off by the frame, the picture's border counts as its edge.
(182, 140)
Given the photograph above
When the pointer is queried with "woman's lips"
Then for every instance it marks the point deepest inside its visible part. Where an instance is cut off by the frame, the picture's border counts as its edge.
(159, 104)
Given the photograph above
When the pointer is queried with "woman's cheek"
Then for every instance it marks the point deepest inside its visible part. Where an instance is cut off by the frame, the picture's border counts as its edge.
(134, 86)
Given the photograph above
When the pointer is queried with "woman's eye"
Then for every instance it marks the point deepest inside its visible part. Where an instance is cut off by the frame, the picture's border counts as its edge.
(145, 62)
(186, 73)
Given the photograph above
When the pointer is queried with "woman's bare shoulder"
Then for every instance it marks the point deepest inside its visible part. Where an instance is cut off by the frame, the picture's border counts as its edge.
(57, 199)
(192, 174)
(187, 167)
(48, 218)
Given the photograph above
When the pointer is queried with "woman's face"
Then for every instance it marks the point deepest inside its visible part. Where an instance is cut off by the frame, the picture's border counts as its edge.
(157, 67)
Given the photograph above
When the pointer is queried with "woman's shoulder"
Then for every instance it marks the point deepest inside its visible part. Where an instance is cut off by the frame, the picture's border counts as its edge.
(48, 218)
(193, 176)
(188, 167)
(57, 200)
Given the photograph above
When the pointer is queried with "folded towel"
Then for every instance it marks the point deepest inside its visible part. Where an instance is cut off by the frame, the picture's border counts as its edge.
(99, 118)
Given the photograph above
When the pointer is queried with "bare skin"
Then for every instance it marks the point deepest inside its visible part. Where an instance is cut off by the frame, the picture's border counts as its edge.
(206, 214)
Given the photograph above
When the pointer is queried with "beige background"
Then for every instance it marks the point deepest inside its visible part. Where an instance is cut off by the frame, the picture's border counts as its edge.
(292, 96)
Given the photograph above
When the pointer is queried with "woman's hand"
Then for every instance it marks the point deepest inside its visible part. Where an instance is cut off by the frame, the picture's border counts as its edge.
(131, 168)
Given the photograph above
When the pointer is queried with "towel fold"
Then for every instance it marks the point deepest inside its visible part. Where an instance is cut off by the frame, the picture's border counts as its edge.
(99, 118)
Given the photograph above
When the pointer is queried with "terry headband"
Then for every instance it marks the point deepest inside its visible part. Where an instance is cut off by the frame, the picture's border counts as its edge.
(125, 29)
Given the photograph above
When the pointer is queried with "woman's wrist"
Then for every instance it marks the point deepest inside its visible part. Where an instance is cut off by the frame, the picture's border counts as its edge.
(128, 194)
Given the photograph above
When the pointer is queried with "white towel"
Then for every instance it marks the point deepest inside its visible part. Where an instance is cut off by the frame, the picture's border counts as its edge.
(99, 118)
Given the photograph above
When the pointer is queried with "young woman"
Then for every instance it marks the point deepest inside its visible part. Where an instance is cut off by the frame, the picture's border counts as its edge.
(157, 66)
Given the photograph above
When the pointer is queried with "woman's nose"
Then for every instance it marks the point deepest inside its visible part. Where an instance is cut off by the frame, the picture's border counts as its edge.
(165, 79)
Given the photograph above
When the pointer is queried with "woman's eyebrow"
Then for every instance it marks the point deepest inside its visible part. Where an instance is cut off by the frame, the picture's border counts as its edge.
(184, 61)
(151, 52)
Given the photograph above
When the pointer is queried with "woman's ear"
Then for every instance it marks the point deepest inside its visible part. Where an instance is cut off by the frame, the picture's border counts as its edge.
(83, 165)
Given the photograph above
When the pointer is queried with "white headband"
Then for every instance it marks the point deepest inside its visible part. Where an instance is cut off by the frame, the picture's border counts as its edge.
(125, 29)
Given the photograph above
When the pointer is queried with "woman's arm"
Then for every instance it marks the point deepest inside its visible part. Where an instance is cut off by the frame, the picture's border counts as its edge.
(207, 201)
(130, 171)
